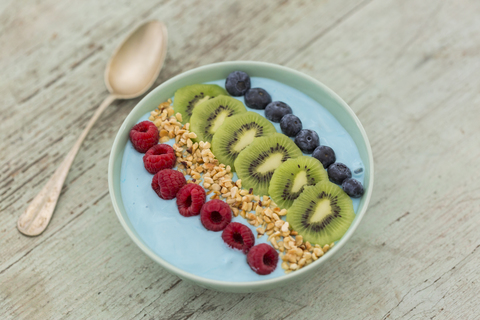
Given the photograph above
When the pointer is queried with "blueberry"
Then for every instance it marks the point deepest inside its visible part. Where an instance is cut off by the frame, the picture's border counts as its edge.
(276, 110)
(307, 140)
(338, 172)
(257, 98)
(237, 83)
(353, 188)
(325, 155)
(290, 125)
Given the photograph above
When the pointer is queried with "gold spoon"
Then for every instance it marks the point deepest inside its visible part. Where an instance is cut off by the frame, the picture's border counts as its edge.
(130, 72)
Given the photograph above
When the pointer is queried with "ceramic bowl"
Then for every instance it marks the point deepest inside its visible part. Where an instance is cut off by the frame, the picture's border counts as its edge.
(306, 84)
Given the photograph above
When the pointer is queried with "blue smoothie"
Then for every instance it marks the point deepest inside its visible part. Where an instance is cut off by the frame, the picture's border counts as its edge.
(184, 242)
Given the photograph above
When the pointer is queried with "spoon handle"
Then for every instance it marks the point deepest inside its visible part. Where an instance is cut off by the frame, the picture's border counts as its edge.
(37, 216)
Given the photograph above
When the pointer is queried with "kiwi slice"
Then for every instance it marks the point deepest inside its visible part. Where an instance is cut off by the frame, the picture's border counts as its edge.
(188, 97)
(322, 213)
(208, 116)
(292, 176)
(256, 163)
(236, 133)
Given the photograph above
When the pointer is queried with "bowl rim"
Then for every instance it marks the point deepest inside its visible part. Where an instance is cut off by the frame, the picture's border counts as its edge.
(228, 285)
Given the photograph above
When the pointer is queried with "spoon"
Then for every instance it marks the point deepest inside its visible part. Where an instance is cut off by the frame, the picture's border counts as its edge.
(131, 71)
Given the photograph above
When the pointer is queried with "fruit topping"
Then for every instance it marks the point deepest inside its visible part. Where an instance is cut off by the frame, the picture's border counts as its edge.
(267, 163)
(159, 157)
(236, 133)
(143, 136)
(237, 83)
(276, 110)
(290, 178)
(325, 155)
(262, 258)
(257, 98)
(338, 172)
(352, 187)
(190, 199)
(307, 140)
(290, 125)
(215, 215)
(238, 236)
(210, 115)
(167, 182)
(256, 163)
(322, 213)
(187, 98)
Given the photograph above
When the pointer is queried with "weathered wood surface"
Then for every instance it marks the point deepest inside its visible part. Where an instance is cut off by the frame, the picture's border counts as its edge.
(408, 68)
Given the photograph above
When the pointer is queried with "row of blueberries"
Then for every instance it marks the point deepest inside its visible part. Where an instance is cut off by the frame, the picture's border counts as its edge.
(238, 84)
(215, 215)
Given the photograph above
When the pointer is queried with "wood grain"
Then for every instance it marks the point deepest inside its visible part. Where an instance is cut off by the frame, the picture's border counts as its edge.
(407, 68)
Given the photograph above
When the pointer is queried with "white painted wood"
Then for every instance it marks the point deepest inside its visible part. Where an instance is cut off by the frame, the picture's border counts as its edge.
(408, 68)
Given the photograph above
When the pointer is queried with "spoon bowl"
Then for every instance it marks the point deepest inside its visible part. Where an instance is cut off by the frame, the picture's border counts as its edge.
(137, 61)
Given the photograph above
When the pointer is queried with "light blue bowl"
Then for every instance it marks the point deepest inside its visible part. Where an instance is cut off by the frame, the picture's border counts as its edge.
(311, 87)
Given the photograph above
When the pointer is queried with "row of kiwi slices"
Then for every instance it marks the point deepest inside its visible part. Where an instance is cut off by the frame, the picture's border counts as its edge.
(267, 162)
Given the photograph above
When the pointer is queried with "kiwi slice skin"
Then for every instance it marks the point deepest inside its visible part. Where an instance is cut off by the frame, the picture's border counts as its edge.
(187, 98)
(256, 163)
(322, 213)
(289, 180)
(236, 133)
(208, 116)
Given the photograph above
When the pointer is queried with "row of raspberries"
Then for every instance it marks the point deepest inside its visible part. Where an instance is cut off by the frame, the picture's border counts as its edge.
(215, 215)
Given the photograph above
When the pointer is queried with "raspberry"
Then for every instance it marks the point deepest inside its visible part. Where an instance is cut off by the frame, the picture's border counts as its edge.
(167, 182)
(159, 157)
(262, 258)
(238, 236)
(215, 215)
(144, 135)
(190, 199)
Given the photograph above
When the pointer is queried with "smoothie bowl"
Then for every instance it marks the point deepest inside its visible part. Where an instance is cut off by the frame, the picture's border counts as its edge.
(256, 174)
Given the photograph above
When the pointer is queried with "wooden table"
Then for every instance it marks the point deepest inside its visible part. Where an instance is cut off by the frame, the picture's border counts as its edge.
(408, 68)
